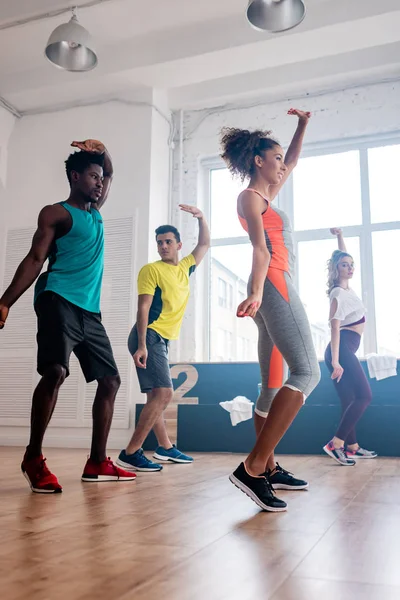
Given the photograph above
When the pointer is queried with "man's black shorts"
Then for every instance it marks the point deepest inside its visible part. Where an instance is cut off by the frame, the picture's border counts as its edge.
(64, 328)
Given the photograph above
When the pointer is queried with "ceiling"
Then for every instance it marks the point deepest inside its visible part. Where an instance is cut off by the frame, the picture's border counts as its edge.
(203, 53)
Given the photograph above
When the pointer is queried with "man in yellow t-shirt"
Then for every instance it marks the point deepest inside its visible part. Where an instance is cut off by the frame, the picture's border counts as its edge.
(163, 289)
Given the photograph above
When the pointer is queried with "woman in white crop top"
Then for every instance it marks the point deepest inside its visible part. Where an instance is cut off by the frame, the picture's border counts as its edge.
(347, 320)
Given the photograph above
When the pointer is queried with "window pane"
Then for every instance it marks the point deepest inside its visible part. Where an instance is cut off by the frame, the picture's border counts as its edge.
(231, 338)
(236, 259)
(383, 166)
(312, 265)
(221, 292)
(224, 193)
(386, 250)
(326, 184)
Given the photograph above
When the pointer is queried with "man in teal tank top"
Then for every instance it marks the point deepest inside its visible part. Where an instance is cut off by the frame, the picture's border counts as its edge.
(67, 305)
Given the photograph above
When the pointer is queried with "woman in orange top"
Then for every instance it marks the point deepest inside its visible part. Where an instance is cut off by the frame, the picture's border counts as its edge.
(284, 331)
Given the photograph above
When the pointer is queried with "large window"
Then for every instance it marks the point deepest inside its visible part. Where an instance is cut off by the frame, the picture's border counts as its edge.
(354, 187)
(327, 187)
(386, 252)
(230, 338)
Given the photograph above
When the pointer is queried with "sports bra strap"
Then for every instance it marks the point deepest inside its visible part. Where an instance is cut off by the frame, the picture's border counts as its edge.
(257, 192)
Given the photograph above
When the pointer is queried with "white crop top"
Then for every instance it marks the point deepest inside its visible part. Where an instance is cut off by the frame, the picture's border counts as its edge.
(350, 308)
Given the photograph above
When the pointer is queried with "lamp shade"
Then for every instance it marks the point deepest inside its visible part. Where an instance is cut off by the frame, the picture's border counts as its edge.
(275, 15)
(70, 47)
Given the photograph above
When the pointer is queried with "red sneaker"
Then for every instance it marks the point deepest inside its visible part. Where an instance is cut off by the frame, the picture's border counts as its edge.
(105, 471)
(39, 477)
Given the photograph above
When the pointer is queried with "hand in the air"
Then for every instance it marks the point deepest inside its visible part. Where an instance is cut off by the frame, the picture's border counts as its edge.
(193, 210)
(301, 114)
(3, 315)
(335, 231)
(93, 146)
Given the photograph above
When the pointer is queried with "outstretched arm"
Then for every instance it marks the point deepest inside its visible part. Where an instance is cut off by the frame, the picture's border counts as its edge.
(339, 234)
(293, 152)
(204, 241)
(97, 147)
(32, 264)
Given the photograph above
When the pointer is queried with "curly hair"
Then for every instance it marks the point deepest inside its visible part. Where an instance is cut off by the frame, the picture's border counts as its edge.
(333, 271)
(241, 146)
(80, 161)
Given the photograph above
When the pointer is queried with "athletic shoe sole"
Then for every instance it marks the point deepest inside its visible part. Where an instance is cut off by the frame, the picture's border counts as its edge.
(363, 457)
(174, 460)
(284, 486)
(129, 467)
(39, 490)
(330, 453)
(101, 478)
(243, 488)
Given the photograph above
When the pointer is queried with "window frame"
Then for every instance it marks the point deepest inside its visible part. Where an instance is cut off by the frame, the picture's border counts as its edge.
(285, 200)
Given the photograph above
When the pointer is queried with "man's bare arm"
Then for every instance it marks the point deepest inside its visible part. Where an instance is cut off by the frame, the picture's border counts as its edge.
(29, 269)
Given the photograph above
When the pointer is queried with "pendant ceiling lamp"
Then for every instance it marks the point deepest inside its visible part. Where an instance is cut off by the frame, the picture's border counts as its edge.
(70, 47)
(275, 15)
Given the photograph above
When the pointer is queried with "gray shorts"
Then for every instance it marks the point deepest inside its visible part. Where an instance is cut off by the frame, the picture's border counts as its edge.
(157, 373)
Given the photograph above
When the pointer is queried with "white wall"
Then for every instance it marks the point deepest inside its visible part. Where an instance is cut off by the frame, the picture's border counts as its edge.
(160, 168)
(342, 114)
(7, 121)
(40, 144)
(137, 138)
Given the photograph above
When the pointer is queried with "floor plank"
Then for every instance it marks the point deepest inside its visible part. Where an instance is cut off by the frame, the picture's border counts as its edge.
(297, 588)
(187, 534)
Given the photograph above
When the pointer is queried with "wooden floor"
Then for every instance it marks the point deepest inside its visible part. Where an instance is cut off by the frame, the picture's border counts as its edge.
(188, 534)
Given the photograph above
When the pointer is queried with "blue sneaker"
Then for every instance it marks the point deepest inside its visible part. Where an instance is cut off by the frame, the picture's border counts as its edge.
(172, 455)
(137, 462)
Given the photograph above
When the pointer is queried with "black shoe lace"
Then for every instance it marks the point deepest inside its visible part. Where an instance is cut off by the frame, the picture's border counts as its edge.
(282, 470)
(268, 484)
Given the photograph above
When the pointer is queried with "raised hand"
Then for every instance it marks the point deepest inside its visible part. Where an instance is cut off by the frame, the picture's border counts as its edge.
(335, 231)
(93, 146)
(193, 210)
(301, 114)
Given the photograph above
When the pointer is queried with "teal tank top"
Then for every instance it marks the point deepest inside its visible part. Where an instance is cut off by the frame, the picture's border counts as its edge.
(76, 261)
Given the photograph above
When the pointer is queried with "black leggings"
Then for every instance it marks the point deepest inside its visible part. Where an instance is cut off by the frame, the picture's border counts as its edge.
(353, 389)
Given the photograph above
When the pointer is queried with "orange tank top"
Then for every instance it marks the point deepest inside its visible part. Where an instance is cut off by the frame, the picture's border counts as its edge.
(278, 236)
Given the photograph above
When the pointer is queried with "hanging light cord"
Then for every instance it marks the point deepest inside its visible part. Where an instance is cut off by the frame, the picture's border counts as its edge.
(51, 14)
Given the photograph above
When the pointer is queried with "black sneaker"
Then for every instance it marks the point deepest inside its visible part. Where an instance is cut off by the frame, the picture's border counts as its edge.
(258, 489)
(283, 480)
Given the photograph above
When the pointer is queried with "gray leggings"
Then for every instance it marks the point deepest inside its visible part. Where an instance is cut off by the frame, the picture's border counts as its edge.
(284, 337)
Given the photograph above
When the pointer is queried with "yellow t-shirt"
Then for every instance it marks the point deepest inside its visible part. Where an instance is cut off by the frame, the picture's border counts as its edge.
(169, 284)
